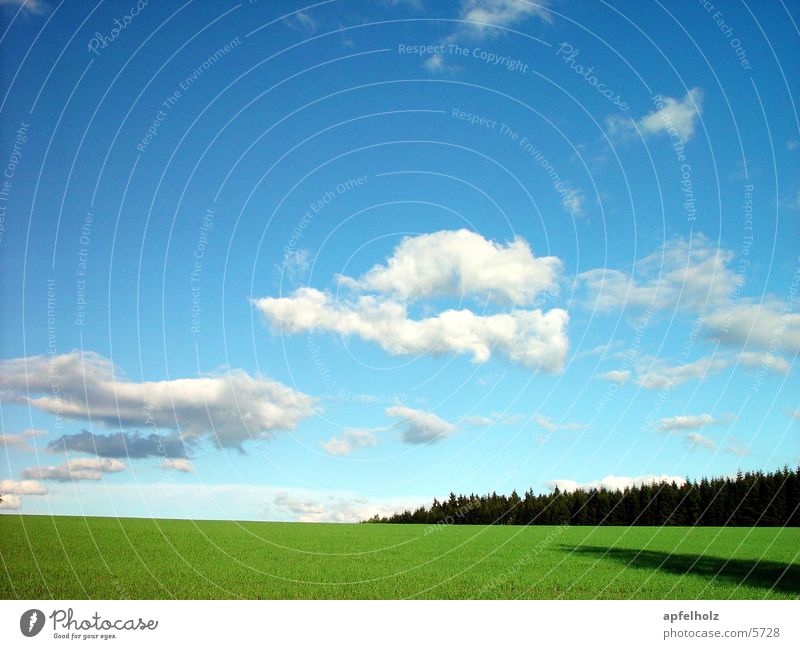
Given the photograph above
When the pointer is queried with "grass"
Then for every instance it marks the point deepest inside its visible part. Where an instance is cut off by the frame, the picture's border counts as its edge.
(107, 558)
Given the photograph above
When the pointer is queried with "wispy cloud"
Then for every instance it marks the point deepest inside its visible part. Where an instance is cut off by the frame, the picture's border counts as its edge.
(178, 464)
(696, 440)
(350, 441)
(620, 377)
(77, 469)
(22, 440)
(680, 274)
(22, 487)
(420, 427)
(689, 422)
(32, 7)
(551, 426)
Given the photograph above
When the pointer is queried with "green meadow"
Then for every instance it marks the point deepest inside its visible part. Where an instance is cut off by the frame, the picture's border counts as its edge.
(108, 558)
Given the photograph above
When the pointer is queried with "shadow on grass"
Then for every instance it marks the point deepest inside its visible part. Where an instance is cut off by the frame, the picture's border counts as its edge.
(771, 575)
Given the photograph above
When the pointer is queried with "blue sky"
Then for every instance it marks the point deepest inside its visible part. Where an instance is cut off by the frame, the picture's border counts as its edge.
(270, 260)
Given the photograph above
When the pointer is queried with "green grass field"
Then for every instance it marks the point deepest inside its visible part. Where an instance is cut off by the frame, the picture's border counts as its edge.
(77, 558)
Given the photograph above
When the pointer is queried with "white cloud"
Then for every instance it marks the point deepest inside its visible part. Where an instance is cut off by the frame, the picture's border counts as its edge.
(77, 469)
(460, 263)
(480, 421)
(501, 13)
(334, 508)
(178, 464)
(34, 7)
(551, 426)
(677, 114)
(442, 264)
(620, 377)
(690, 275)
(295, 265)
(301, 21)
(435, 63)
(535, 339)
(696, 440)
(22, 487)
(230, 408)
(766, 325)
(794, 414)
(688, 422)
(11, 502)
(676, 118)
(573, 202)
(614, 483)
(484, 17)
(20, 441)
(419, 427)
(350, 441)
(660, 376)
(738, 451)
(770, 362)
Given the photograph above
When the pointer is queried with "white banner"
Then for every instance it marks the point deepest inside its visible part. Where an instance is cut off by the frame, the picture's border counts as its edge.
(382, 624)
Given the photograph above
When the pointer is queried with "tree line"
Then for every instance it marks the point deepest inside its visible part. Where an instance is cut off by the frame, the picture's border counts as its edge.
(749, 499)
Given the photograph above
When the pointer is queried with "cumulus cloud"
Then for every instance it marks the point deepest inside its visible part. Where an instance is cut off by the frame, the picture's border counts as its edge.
(765, 325)
(436, 63)
(178, 464)
(350, 441)
(535, 339)
(333, 508)
(458, 263)
(13, 490)
(230, 408)
(676, 118)
(77, 469)
(614, 483)
(686, 274)
(120, 445)
(22, 487)
(419, 427)
(11, 502)
(689, 422)
(552, 426)
(493, 419)
(696, 440)
(21, 441)
(620, 377)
